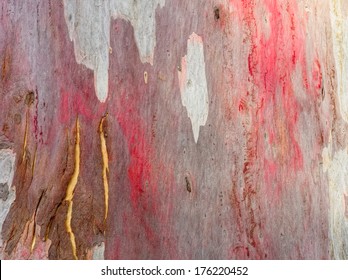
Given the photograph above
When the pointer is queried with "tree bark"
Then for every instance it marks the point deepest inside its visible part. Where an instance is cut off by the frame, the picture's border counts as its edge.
(173, 129)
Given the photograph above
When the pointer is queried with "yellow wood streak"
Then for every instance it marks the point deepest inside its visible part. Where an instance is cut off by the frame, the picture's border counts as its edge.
(25, 142)
(33, 241)
(69, 229)
(105, 170)
(33, 165)
(47, 232)
(71, 188)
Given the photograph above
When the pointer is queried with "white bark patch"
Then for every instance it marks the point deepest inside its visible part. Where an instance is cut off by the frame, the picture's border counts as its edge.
(193, 84)
(98, 251)
(89, 28)
(7, 192)
(336, 167)
(339, 24)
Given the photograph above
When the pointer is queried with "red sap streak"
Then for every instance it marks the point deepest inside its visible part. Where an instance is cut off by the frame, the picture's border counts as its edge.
(81, 105)
(271, 61)
(141, 172)
(145, 169)
(64, 108)
(36, 128)
(240, 252)
(140, 166)
(317, 75)
(271, 168)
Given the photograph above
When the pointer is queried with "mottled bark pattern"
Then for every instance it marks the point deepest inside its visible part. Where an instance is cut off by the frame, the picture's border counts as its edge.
(174, 129)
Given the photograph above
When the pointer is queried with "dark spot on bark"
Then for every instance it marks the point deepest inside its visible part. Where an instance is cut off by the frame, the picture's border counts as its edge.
(29, 98)
(17, 98)
(5, 143)
(188, 184)
(17, 118)
(5, 127)
(216, 13)
(4, 191)
(6, 65)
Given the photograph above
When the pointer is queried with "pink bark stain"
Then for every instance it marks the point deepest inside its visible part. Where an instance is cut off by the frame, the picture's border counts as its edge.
(143, 172)
(271, 61)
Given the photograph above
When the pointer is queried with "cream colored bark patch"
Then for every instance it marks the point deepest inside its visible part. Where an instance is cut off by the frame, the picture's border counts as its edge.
(336, 166)
(193, 84)
(339, 24)
(89, 28)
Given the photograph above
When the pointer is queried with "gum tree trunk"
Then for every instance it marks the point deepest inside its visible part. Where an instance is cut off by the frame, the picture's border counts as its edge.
(172, 129)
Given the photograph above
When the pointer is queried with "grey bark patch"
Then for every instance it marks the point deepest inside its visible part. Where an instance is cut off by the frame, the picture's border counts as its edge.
(7, 192)
(4, 191)
(89, 28)
(3, 146)
(98, 252)
(5, 143)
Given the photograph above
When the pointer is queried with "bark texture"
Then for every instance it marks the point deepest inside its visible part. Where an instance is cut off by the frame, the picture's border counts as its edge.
(172, 129)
